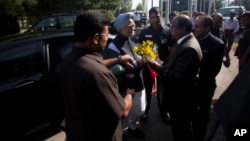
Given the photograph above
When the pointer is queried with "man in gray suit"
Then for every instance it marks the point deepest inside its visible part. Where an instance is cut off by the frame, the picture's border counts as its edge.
(178, 75)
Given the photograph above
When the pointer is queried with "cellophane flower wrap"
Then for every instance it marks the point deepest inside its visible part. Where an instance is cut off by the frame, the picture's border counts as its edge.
(148, 49)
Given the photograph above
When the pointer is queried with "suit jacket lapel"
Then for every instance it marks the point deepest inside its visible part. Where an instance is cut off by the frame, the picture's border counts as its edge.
(184, 41)
(175, 50)
(171, 54)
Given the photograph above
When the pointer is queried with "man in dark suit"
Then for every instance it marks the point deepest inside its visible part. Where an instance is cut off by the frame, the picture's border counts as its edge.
(178, 76)
(159, 34)
(243, 50)
(213, 52)
(218, 32)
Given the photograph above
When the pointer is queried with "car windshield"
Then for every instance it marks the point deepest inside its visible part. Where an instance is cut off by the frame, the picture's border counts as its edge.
(226, 11)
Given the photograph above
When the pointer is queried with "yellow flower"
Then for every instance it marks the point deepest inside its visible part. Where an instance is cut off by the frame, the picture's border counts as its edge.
(235, 45)
(147, 49)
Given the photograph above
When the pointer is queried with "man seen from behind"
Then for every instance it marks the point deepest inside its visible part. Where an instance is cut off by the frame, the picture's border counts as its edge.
(89, 87)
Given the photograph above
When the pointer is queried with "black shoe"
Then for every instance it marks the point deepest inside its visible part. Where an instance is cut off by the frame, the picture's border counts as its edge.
(226, 63)
(124, 138)
(137, 133)
(144, 117)
(165, 118)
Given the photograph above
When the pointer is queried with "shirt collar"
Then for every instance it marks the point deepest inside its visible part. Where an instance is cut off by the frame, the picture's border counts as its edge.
(152, 28)
(205, 37)
(184, 37)
(91, 54)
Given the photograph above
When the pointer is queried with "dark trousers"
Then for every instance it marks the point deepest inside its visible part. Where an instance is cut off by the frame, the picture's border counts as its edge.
(161, 100)
(230, 39)
(181, 122)
(148, 83)
(148, 96)
(201, 116)
(163, 108)
(138, 23)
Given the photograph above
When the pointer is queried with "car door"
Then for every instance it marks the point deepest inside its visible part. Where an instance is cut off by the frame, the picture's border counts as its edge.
(20, 78)
(54, 50)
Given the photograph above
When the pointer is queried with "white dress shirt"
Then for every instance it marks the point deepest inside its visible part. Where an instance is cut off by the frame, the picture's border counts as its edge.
(231, 24)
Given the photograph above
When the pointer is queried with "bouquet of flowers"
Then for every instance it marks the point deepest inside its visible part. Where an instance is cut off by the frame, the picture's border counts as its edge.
(149, 50)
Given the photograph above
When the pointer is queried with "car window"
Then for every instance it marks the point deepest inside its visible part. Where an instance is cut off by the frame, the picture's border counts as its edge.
(45, 24)
(67, 21)
(57, 50)
(19, 62)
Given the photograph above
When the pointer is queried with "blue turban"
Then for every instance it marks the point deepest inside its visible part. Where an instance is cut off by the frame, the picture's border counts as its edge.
(122, 20)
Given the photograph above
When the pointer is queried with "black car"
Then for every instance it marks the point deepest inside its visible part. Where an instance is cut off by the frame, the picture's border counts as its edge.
(55, 21)
(30, 83)
(60, 21)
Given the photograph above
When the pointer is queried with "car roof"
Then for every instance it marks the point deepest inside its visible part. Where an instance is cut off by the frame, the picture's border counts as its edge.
(73, 12)
(233, 7)
(32, 36)
(236, 9)
(61, 14)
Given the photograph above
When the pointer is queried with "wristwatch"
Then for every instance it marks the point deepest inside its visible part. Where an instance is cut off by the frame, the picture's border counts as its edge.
(119, 59)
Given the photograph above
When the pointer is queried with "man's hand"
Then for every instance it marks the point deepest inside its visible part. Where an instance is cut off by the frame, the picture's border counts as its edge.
(127, 60)
(152, 64)
(141, 62)
(131, 92)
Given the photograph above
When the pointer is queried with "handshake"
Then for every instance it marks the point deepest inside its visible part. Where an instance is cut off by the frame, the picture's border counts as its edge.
(129, 62)
(147, 62)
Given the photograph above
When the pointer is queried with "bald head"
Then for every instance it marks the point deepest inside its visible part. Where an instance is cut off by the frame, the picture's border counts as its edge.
(184, 21)
(217, 16)
(217, 20)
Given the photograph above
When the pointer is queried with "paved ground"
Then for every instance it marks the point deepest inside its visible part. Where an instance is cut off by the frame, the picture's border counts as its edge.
(156, 130)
